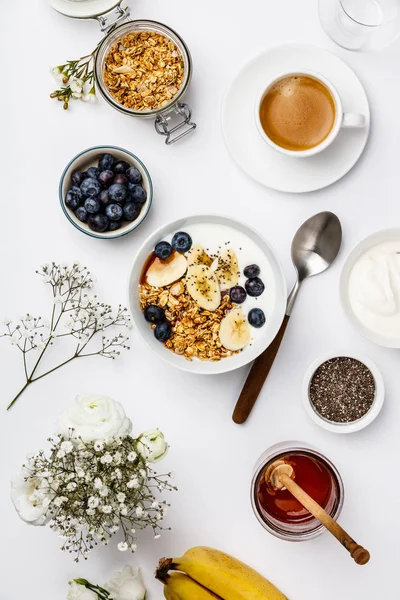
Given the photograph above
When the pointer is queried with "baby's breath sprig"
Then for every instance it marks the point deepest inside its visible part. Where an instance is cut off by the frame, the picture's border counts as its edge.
(75, 314)
(77, 80)
(93, 490)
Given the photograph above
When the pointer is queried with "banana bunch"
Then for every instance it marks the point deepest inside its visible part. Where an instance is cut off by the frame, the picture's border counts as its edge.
(205, 573)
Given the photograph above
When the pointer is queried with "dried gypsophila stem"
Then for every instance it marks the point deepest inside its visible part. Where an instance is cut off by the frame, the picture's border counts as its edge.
(93, 490)
(85, 319)
(76, 77)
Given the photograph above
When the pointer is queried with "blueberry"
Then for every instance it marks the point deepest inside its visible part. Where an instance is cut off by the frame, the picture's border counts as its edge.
(103, 197)
(163, 250)
(131, 211)
(182, 242)
(93, 172)
(254, 287)
(92, 205)
(77, 177)
(121, 178)
(133, 175)
(120, 167)
(81, 213)
(106, 177)
(117, 192)
(114, 225)
(90, 187)
(137, 193)
(251, 271)
(98, 223)
(114, 212)
(237, 294)
(73, 198)
(162, 331)
(154, 314)
(106, 162)
(256, 317)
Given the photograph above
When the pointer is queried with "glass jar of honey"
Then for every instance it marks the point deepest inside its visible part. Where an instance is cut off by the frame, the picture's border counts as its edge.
(278, 511)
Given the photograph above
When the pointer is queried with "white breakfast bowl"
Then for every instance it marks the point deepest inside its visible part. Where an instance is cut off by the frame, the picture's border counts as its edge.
(367, 243)
(89, 158)
(272, 276)
(352, 426)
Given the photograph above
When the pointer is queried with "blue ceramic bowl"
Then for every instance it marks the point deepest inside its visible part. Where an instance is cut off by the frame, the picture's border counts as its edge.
(89, 158)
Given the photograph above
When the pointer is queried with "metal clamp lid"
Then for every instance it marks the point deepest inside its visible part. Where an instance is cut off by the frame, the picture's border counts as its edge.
(163, 127)
(106, 24)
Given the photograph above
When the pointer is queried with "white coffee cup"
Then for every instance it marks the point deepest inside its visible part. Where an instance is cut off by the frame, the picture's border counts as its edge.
(342, 120)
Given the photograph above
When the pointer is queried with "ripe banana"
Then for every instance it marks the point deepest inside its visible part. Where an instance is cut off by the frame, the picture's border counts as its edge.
(164, 272)
(226, 267)
(178, 586)
(203, 286)
(198, 256)
(234, 332)
(222, 574)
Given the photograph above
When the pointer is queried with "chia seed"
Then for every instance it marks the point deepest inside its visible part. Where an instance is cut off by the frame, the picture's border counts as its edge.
(342, 390)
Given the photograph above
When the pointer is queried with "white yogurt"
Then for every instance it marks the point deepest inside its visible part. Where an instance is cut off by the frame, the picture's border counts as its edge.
(374, 289)
(217, 237)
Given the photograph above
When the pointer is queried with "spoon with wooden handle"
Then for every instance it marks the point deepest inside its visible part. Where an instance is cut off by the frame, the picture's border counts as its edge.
(280, 474)
(314, 248)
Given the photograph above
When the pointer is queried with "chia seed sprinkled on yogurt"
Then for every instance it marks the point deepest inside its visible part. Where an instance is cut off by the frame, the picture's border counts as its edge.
(342, 390)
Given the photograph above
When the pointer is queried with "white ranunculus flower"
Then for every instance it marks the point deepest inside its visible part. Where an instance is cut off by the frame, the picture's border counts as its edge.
(80, 592)
(30, 503)
(152, 445)
(95, 418)
(127, 584)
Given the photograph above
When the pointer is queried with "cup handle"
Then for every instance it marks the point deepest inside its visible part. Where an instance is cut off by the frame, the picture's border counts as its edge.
(351, 120)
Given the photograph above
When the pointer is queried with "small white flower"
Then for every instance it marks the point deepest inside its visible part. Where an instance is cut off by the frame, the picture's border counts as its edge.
(139, 511)
(55, 439)
(81, 473)
(158, 517)
(98, 484)
(14, 339)
(114, 529)
(152, 445)
(98, 445)
(40, 346)
(90, 97)
(59, 501)
(90, 511)
(93, 502)
(67, 446)
(117, 458)
(118, 473)
(60, 454)
(122, 546)
(26, 333)
(132, 456)
(71, 486)
(121, 497)
(123, 510)
(133, 483)
(76, 85)
(155, 504)
(106, 509)
(104, 491)
(106, 459)
(157, 536)
(133, 531)
(133, 547)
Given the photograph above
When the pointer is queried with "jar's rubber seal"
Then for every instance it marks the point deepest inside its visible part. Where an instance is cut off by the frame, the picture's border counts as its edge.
(83, 9)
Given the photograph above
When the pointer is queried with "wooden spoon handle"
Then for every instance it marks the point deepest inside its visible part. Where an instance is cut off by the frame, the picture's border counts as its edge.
(358, 553)
(258, 374)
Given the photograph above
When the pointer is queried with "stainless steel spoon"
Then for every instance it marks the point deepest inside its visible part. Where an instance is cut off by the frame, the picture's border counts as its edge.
(314, 248)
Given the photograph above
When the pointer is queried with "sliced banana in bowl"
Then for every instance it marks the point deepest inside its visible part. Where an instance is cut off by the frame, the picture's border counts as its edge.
(226, 267)
(202, 284)
(234, 332)
(164, 272)
(198, 256)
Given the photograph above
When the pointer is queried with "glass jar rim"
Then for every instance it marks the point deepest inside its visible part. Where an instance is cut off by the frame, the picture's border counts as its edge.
(144, 25)
(274, 454)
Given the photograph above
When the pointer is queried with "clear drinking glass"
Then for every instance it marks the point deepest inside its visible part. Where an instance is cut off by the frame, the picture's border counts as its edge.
(362, 25)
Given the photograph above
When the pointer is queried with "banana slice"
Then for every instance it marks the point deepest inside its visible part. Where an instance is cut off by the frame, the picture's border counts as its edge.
(203, 286)
(226, 267)
(234, 332)
(198, 256)
(164, 272)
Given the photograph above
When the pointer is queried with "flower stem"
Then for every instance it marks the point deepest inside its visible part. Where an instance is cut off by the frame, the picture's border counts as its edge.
(19, 393)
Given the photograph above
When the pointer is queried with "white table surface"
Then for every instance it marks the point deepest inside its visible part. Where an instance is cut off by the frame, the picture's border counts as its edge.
(212, 457)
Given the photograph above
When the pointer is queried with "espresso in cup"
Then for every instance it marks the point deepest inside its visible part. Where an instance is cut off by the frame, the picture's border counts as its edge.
(297, 112)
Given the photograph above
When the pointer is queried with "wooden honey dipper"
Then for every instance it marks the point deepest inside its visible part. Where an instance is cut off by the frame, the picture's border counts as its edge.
(280, 474)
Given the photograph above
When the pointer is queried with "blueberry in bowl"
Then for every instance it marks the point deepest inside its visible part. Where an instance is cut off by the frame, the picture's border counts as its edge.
(106, 192)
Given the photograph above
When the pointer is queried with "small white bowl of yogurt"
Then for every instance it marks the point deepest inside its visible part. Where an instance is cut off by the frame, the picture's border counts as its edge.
(370, 287)
(209, 333)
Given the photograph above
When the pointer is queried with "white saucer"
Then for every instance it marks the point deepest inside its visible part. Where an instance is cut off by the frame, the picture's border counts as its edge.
(83, 9)
(264, 164)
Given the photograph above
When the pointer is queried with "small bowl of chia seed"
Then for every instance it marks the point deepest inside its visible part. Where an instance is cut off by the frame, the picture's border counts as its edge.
(343, 393)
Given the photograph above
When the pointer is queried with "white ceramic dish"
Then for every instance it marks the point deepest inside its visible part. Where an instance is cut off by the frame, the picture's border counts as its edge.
(353, 425)
(274, 296)
(263, 163)
(83, 9)
(370, 241)
(89, 158)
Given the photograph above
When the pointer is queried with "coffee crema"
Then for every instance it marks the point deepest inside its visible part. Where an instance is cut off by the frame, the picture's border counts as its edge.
(297, 112)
